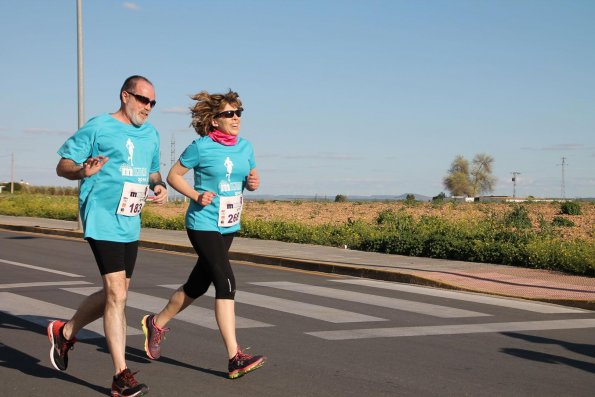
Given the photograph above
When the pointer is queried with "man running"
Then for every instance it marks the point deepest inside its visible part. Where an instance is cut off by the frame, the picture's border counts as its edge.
(116, 157)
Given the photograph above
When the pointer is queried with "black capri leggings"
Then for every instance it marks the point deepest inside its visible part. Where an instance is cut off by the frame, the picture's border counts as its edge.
(212, 266)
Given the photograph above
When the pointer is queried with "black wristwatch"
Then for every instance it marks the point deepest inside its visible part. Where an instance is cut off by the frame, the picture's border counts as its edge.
(160, 183)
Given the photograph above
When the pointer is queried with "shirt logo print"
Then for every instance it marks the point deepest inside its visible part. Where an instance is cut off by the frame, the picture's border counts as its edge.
(229, 167)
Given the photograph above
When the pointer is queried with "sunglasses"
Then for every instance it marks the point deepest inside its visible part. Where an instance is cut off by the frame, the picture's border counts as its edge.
(229, 113)
(143, 99)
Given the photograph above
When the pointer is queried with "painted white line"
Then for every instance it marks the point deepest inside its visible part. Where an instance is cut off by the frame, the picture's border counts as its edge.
(298, 308)
(41, 313)
(519, 304)
(42, 284)
(454, 329)
(383, 301)
(192, 314)
(43, 269)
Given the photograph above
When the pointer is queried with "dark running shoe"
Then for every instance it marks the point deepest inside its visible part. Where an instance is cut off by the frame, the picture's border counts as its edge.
(243, 363)
(153, 336)
(124, 385)
(60, 346)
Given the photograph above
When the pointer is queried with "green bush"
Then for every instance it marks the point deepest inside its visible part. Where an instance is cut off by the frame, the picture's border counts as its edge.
(562, 222)
(518, 218)
(570, 208)
(340, 198)
(491, 239)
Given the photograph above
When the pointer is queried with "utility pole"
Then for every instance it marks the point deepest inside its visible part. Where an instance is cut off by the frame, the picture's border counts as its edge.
(12, 174)
(172, 159)
(563, 187)
(514, 177)
(80, 82)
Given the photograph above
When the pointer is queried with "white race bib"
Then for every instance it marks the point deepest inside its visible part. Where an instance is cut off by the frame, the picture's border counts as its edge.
(133, 199)
(230, 210)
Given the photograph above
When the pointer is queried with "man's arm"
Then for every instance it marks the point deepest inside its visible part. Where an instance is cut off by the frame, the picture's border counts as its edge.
(68, 169)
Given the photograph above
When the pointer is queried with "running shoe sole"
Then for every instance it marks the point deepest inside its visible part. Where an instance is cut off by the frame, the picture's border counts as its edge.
(241, 372)
(53, 342)
(146, 332)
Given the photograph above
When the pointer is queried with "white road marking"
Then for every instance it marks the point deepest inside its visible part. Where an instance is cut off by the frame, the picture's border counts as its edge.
(192, 314)
(298, 308)
(43, 269)
(519, 304)
(41, 313)
(368, 299)
(42, 284)
(454, 329)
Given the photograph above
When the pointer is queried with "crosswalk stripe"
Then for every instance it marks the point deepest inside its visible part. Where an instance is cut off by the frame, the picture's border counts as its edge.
(454, 329)
(298, 308)
(42, 284)
(536, 307)
(192, 314)
(41, 313)
(43, 269)
(368, 299)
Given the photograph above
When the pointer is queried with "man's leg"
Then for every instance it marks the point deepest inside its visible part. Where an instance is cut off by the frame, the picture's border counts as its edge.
(115, 286)
(89, 310)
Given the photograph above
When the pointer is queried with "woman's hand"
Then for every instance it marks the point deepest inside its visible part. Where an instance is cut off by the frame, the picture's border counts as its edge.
(205, 198)
(253, 180)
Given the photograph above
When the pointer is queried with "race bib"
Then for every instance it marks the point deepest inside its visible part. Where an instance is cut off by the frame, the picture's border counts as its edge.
(133, 199)
(230, 210)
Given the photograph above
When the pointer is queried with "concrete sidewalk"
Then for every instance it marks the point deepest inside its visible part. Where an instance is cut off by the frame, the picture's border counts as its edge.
(541, 285)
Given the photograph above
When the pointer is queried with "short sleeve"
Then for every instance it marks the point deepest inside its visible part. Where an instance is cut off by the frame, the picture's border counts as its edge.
(79, 147)
(155, 166)
(190, 157)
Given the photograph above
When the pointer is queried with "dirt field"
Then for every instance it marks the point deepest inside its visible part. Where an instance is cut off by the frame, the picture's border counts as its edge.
(318, 213)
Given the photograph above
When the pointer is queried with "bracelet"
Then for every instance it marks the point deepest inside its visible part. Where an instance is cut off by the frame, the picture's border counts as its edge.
(160, 183)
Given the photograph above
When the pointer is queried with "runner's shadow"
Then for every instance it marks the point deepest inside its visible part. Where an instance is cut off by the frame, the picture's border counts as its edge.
(29, 365)
(584, 349)
(580, 348)
(132, 354)
(138, 355)
(193, 367)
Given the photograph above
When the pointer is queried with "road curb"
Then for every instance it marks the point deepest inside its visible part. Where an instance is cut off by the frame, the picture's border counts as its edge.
(317, 266)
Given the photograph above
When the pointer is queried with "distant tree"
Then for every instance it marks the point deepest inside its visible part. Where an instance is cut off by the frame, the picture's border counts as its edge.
(439, 198)
(410, 197)
(482, 179)
(462, 180)
(340, 198)
(457, 181)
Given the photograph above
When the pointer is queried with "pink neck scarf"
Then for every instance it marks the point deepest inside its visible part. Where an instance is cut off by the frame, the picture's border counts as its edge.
(223, 138)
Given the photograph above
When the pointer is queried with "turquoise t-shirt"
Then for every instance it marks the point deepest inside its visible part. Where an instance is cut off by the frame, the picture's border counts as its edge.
(133, 154)
(220, 169)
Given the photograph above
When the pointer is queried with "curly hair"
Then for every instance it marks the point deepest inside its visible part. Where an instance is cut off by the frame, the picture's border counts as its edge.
(207, 106)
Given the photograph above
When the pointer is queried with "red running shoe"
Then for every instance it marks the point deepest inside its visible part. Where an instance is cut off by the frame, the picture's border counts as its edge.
(60, 345)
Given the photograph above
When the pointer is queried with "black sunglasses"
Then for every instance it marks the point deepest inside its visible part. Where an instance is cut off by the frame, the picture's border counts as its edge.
(143, 99)
(229, 113)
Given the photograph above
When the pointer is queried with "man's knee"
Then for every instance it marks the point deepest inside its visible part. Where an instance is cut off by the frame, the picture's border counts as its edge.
(116, 288)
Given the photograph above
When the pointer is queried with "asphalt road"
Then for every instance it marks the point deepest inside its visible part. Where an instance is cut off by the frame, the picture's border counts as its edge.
(323, 335)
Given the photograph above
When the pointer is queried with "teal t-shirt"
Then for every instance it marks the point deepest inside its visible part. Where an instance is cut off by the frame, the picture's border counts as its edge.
(220, 169)
(133, 154)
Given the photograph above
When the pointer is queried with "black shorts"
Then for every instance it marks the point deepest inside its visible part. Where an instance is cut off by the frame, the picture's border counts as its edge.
(114, 257)
(212, 266)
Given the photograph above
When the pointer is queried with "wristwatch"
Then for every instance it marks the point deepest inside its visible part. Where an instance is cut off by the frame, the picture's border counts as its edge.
(160, 183)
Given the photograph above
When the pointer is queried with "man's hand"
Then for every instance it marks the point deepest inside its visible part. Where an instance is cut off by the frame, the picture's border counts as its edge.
(92, 165)
(160, 194)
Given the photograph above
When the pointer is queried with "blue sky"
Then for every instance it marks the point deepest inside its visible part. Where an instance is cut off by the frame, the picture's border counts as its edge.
(342, 97)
